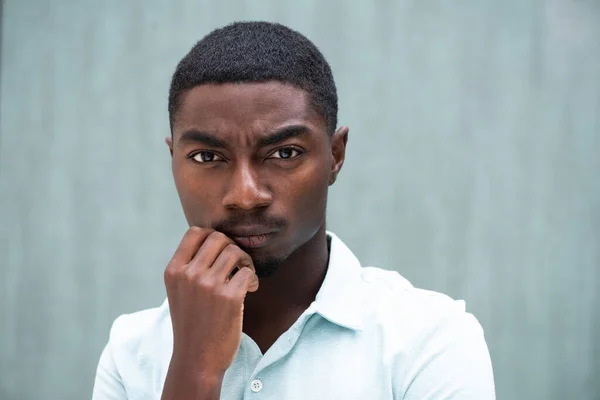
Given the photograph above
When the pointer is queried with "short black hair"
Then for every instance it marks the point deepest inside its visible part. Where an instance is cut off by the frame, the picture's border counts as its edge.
(257, 52)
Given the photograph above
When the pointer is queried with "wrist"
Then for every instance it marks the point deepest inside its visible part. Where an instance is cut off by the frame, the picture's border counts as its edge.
(209, 380)
(201, 373)
(185, 381)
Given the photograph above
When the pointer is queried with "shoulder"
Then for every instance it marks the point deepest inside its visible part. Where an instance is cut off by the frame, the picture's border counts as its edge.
(393, 304)
(130, 332)
(130, 357)
(428, 337)
(391, 292)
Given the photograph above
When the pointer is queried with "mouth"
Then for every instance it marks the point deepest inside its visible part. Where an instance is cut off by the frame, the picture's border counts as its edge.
(251, 236)
(251, 242)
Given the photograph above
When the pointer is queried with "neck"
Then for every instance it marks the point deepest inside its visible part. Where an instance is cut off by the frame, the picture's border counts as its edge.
(293, 287)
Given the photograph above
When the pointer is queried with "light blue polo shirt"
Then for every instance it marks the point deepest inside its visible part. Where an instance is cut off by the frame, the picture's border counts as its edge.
(368, 335)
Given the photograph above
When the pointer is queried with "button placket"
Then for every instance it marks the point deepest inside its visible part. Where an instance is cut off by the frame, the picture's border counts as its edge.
(280, 348)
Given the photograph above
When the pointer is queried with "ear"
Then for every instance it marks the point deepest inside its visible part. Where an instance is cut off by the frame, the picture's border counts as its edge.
(169, 142)
(338, 151)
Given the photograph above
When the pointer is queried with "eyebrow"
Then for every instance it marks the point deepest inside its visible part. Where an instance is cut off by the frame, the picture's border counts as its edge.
(209, 139)
(205, 138)
(283, 134)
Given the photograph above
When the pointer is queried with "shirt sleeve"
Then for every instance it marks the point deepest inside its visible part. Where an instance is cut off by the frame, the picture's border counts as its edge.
(108, 384)
(450, 362)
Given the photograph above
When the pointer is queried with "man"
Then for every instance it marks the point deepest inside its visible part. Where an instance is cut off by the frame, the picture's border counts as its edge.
(262, 301)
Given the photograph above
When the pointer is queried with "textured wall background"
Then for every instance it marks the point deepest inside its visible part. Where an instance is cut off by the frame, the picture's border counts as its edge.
(473, 169)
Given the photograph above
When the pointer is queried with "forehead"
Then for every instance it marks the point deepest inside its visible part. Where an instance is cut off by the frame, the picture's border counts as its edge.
(245, 107)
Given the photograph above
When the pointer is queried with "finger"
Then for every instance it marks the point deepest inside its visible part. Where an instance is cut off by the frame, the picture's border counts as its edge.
(245, 280)
(210, 250)
(231, 257)
(190, 243)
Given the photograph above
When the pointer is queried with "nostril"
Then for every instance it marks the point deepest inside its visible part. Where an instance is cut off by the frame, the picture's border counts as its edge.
(248, 199)
(246, 191)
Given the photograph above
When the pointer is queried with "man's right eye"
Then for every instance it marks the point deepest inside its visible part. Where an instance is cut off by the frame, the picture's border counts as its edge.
(206, 156)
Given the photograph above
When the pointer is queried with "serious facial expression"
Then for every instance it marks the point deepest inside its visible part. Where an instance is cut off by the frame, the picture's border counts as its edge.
(254, 161)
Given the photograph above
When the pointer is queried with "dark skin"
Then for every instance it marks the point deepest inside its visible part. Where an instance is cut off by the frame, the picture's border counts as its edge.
(252, 163)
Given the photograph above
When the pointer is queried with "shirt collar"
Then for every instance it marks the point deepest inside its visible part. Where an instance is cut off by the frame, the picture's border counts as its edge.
(339, 299)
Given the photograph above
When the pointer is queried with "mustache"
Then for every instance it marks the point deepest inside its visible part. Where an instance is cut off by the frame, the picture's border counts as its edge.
(245, 219)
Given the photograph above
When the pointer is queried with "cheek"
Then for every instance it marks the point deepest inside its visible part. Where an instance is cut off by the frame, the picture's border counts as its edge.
(307, 193)
(197, 196)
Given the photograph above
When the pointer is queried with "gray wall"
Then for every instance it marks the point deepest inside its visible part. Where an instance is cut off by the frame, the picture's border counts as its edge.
(473, 169)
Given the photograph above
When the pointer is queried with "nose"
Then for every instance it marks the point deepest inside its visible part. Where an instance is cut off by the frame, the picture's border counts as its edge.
(245, 191)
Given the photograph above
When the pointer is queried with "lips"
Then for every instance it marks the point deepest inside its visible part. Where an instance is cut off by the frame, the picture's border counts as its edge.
(250, 241)
(250, 236)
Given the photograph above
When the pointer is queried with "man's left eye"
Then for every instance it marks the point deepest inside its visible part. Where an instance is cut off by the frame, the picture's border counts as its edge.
(285, 153)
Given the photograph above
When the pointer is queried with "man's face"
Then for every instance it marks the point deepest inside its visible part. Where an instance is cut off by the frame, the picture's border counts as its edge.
(254, 161)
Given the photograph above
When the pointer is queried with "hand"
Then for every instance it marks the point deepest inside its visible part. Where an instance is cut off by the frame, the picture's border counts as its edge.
(206, 304)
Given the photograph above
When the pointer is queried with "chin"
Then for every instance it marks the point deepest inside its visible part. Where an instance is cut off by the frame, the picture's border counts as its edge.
(267, 267)
(268, 260)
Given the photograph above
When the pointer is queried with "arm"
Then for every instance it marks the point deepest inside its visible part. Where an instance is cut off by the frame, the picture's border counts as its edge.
(206, 281)
(450, 362)
(183, 383)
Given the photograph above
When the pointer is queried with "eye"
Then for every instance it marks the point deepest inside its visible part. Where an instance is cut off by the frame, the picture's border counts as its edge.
(206, 157)
(285, 153)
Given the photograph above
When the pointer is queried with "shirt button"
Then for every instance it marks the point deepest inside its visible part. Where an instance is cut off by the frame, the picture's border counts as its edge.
(256, 385)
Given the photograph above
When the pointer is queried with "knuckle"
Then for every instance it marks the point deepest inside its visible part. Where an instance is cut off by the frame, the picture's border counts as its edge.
(206, 284)
(231, 250)
(246, 261)
(229, 296)
(219, 237)
(247, 274)
(170, 274)
(194, 231)
(188, 276)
